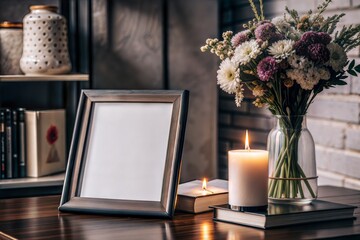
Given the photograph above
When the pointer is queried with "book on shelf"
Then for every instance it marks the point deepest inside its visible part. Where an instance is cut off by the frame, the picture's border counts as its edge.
(45, 142)
(191, 196)
(2, 144)
(14, 144)
(278, 215)
(21, 142)
(8, 142)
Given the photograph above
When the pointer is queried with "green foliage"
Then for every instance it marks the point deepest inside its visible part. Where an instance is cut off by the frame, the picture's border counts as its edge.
(245, 77)
(293, 14)
(330, 23)
(352, 69)
(348, 37)
(321, 9)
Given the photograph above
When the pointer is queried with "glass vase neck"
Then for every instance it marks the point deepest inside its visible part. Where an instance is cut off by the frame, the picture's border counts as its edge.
(295, 122)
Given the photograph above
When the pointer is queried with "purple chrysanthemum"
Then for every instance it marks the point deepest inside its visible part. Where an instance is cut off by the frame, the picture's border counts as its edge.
(240, 38)
(301, 48)
(313, 45)
(310, 38)
(267, 68)
(324, 38)
(318, 52)
(265, 31)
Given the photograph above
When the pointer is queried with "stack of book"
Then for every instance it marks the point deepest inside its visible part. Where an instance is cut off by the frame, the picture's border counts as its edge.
(194, 199)
(277, 215)
(32, 143)
(12, 143)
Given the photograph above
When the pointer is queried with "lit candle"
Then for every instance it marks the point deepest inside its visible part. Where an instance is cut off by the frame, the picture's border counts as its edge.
(205, 191)
(248, 174)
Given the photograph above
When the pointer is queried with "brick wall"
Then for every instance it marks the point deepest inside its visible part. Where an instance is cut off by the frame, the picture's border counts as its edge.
(333, 119)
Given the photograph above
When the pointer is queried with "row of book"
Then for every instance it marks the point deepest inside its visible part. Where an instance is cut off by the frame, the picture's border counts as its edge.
(32, 143)
(12, 143)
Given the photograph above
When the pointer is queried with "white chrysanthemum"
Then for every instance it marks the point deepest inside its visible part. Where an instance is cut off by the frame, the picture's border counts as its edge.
(258, 91)
(281, 24)
(338, 57)
(293, 34)
(228, 76)
(246, 52)
(313, 75)
(295, 74)
(299, 62)
(282, 49)
(307, 79)
(324, 74)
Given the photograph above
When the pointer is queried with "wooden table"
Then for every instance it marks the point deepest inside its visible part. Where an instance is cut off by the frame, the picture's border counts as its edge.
(38, 218)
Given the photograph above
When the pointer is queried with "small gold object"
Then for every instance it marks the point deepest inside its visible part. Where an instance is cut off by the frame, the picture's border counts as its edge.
(8, 24)
(44, 7)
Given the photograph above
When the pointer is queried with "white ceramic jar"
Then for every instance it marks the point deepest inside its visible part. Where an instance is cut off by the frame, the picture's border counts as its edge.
(45, 47)
(11, 44)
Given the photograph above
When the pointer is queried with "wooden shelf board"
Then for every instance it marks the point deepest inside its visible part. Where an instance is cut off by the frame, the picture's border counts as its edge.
(47, 181)
(44, 78)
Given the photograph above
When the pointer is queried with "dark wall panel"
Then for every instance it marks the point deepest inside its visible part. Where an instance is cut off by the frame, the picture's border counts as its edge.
(127, 44)
(190, 23)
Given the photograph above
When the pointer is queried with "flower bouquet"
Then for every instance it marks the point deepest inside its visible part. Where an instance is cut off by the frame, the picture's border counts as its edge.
(286, 62)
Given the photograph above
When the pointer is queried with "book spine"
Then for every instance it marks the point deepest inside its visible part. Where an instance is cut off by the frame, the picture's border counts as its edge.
(14, 143)
(2, 144)
(31, 144)
(21, 142)
(8, 151)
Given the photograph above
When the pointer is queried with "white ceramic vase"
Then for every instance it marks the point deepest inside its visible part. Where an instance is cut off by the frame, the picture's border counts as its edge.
(11, 41)
(45, 47)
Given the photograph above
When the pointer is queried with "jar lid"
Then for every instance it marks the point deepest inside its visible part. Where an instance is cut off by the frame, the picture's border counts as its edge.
(44, 7)
(8, 24)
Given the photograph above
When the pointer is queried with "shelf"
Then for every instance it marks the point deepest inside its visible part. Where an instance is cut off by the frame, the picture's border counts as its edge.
(44, 78)
(47, 181)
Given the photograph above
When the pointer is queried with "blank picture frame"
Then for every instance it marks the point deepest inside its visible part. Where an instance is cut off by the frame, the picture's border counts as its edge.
(125, 154)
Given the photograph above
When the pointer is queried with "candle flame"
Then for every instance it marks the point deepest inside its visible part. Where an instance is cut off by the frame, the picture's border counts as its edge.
(247, 146)
(204, 184)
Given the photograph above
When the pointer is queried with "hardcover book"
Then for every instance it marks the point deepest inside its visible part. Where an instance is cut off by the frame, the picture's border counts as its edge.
(45, 142)
(2, 144)
(281, 215)
(14, 144)
(193, 198)
(8, 144)
(21, 142)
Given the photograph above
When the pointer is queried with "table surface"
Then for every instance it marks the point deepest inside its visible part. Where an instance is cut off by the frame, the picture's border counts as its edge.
(38, 218)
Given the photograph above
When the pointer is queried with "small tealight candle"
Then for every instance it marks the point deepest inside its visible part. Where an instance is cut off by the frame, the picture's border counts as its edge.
(205, 190)
(248, 177)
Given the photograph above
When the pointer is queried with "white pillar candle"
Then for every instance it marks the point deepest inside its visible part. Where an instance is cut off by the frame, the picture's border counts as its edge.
(248, 178)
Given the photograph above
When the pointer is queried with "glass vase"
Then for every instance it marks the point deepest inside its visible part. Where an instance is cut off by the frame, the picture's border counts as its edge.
(292, 164)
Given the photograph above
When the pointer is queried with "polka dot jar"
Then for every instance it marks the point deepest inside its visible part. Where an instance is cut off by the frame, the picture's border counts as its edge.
(45, 49)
